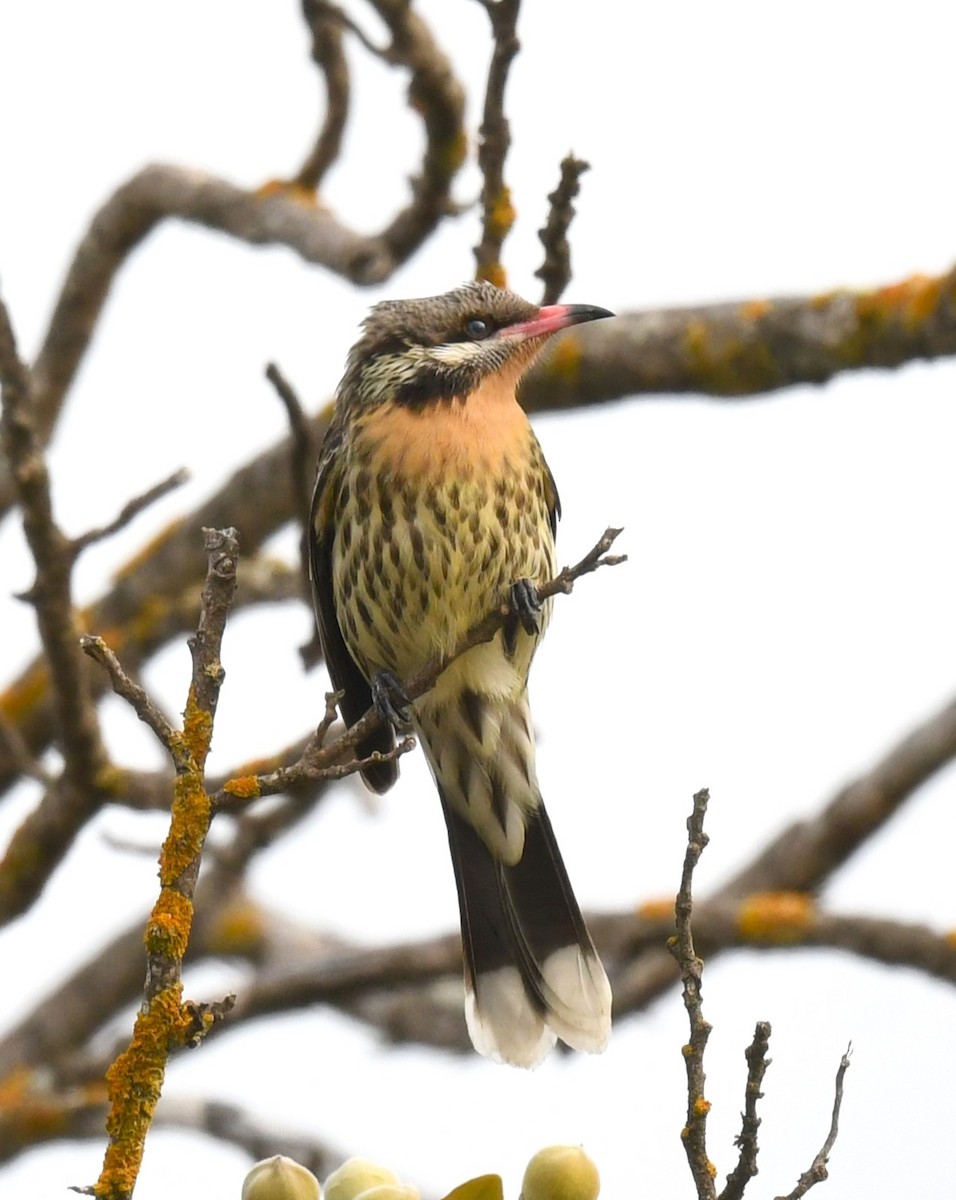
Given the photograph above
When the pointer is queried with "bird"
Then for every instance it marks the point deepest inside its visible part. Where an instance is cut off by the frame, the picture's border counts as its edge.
(433, 505)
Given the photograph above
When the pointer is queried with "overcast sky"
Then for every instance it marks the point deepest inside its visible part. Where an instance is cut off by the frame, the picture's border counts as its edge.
(786, 614)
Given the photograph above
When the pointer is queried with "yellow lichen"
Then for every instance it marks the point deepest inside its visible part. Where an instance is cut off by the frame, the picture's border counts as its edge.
(135, 1081)
(291, 189)
(780, 918)
(701, 1107)
(246, 787)
(450, 155)
(191, 814)
(909, 302)
(239, 929)
(656, 910)
(197, 729)
(169, 925)
(566, 358)
(501, 214)
(726, 365)
(493, 273)
(23, 698)
(754, 310)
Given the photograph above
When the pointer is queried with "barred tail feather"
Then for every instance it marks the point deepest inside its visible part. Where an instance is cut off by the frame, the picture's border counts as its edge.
(531, 971)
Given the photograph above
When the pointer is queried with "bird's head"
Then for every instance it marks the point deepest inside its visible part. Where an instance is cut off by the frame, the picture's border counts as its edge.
(416, 352)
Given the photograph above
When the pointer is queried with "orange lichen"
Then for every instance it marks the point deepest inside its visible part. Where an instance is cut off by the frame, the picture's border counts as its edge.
(565, 360)
(191, 814)
(701, 1107)
(135, 1081)
(31, 1112)
(911, 302)
(726, 365)
(754, 310)
(26, 695)
(197, 729)
(246, 787)
(656, 910)
(450, 155)
(780, 918)
(501, 214)
(169, 925)
(290, 188)
(493, 273)
(239, 929)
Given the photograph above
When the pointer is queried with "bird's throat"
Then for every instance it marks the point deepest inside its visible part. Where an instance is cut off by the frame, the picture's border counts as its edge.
(485, 433)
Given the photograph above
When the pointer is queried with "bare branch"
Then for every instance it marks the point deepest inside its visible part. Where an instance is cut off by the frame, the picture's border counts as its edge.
(555, 271)
(694, 1133)
(302, 458)
(325, 23)
(134, 695)
(258, 498)
(746, 1141)
(494, 140)
(436, 95)
(43, 838)
(129, 512)
(818, 1168)
(807, 853)
(748, 348)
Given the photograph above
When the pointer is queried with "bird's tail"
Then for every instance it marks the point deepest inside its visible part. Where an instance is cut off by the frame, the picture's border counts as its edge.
(532, 974)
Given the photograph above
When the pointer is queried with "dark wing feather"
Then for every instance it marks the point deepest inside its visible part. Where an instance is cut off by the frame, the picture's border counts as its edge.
(344, 671)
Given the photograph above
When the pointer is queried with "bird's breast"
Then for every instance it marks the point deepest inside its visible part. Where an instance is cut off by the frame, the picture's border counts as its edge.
(438, 513)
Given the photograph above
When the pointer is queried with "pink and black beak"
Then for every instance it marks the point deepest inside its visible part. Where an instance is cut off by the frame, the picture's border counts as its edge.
(553, 317)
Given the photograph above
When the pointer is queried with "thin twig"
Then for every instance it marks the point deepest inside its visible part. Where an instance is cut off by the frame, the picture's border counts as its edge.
(494, 140)
(817, 1171)
(555, 271)
(135, 696)
(746, 1141)
(681, 946)
(319, 759)
(130, 511)
(302, 461)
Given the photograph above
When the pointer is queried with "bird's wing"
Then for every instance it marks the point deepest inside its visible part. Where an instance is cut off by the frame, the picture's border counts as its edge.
(553, 499)
(343, 669)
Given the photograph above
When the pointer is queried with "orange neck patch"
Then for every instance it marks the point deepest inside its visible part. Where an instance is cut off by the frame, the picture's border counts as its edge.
(481, 433)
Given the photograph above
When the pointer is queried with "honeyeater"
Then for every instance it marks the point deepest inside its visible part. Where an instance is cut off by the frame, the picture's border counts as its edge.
(433, 506)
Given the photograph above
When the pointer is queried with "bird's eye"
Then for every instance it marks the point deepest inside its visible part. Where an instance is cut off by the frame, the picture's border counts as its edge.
(477, 329)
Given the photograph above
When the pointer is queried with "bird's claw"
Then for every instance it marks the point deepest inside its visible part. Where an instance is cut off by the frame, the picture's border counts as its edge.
(389, 699)
(525, 605)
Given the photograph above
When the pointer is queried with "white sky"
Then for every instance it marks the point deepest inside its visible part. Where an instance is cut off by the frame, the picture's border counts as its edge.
(786, 613)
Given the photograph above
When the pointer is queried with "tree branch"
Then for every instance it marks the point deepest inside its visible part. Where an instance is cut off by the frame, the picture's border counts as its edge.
(555, 271)
(494, 140)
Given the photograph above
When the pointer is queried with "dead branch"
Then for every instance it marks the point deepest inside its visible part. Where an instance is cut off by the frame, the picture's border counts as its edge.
(694, 1133)
(325, 25)
(494, 140)
(135, 1079)
(817, 1171)
(555, 271)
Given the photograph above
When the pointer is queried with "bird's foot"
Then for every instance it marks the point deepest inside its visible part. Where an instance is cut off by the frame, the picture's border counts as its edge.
(525, 605)
(390, 701)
